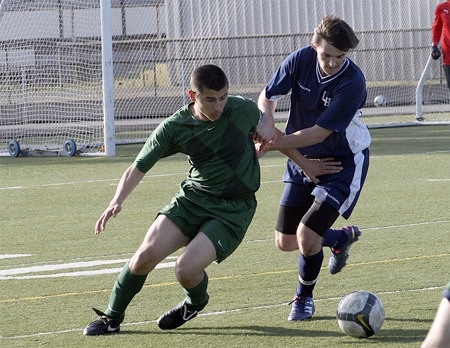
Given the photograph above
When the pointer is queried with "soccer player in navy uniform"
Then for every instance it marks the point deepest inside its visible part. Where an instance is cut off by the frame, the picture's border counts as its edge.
(327, 91)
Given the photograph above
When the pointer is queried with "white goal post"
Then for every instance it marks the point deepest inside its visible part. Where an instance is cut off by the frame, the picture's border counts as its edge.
(78, 77)
(108, 79)
(56, 78)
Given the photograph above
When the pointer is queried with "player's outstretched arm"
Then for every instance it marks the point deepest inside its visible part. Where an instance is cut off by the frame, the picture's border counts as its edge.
(265, 131)
(130, 179)
(313, 167)
(301, 138)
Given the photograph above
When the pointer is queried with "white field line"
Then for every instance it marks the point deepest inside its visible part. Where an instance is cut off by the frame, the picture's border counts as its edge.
(13, 273)
(56, 267)
(12, 256)
(405, 225)
(365, 229)
(184, 173)
(148, 176)
(8, 274)
(83, 182)
(433, 180)
(81, 273)
(235, 310)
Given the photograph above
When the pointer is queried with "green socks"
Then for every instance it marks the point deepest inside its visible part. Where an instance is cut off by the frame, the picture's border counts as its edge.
(198, 296)
(126, 287)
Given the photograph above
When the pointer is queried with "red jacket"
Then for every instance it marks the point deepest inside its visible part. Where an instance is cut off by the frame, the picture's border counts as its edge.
(440, 31)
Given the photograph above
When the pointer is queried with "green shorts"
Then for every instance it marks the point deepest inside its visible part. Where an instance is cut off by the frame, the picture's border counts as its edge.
(224, 221)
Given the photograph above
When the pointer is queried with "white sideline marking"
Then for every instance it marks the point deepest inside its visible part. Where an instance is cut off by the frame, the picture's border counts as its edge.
(81, 273)
(11, 256)
(405, 225)
(10, 273)
(60, 266)
(215, 313)
(85, 181)
(184, 173)
(272, 182)
(433, 180)
(67, 274)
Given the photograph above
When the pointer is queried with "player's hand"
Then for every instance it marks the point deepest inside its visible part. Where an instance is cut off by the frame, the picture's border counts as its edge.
(265, 134)
(435, 53)
(112, 210)
(316, 167)
(261, 149)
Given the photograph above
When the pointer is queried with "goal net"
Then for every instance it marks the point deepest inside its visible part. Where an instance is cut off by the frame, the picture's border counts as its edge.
(50, 74)
(57, 81)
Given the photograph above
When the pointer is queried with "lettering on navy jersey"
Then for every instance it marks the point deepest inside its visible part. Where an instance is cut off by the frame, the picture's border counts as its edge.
(326, 101)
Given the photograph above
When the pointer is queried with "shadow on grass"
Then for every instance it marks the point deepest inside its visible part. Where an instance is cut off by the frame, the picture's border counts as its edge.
(384, 336)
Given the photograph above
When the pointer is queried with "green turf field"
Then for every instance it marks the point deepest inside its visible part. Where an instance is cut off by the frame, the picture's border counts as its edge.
(53, 268)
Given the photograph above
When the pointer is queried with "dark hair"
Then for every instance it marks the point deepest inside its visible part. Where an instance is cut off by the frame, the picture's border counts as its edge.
(336, 32)
(208, 76)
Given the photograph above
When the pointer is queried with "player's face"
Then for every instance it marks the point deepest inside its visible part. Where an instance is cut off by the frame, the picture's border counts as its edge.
(330, 58)
(209, 104)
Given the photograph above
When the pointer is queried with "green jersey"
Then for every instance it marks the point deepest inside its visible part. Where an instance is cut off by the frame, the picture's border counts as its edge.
(221, 153)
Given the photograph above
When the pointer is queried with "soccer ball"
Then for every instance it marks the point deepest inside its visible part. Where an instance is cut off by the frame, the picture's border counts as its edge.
(360, 314)
(379, 100)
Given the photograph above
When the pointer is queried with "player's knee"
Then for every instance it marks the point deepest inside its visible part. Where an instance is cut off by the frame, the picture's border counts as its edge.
(310, 246)
(310, 243)
(142, 263)
(184, 271)
(188, 276)
(285, 242)
(310, 250)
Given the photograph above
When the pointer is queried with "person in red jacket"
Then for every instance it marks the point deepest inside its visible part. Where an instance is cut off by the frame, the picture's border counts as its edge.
(440, 32)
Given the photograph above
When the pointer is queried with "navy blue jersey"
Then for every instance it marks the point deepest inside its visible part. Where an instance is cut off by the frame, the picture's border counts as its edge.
(331, 102)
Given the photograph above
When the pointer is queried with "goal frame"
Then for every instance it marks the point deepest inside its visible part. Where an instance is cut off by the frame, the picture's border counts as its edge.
(96, 71)
(108, 79)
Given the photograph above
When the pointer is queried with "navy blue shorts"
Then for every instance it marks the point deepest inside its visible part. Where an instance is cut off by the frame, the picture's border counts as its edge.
(340, 190)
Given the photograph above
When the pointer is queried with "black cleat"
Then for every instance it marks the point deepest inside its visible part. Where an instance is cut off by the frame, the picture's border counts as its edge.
(102, 326)
(177, 316)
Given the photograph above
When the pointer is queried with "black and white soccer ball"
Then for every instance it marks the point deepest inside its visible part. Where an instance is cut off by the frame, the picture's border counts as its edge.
(360, 314)
(379, 100)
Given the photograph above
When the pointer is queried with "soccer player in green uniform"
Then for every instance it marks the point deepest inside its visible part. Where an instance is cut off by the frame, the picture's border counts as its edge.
(212, 209)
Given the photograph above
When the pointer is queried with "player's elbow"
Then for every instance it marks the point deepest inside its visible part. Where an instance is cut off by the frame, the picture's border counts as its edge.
(319, 134)
(322, 137)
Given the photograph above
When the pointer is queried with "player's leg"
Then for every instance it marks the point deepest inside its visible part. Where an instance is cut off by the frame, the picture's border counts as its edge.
(294, 203)
(290, 235)
(287, 223)
(318, 219)
(162, 239)
(447, 74)
(439, 333)
(342, 191)
(190, 272)
(216, 240)
(194, 259)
